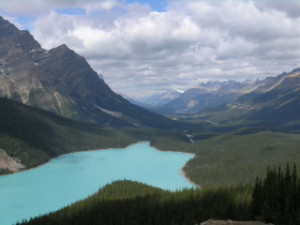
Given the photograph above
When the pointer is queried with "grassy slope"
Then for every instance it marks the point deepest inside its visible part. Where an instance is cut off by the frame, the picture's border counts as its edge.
(126, 202)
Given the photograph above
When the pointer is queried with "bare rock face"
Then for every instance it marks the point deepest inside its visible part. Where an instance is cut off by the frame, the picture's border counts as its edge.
(16, 68)
(61, 81)
(8, 163)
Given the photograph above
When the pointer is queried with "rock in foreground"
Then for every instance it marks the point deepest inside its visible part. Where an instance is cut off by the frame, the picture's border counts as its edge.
(230, 222)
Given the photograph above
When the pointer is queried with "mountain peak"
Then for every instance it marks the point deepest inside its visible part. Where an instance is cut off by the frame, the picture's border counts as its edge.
(63, 47)
(11, 37)
(4, 21)
(7, 28)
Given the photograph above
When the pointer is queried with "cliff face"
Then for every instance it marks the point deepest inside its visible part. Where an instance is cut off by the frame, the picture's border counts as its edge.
(61, 81)
(16, 69)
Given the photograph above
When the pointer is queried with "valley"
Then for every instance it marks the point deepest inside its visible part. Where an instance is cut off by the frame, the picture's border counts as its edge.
(176, 157)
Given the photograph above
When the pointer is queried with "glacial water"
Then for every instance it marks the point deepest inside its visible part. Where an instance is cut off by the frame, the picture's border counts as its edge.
(75, 176)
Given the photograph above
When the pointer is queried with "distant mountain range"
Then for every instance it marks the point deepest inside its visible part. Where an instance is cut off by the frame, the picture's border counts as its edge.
(207, 95)
(271, 101)
(274, 100)
(61, 81)
(155, 100)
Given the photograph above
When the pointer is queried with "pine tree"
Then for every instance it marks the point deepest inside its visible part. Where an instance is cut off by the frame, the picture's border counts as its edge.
(257, 198)
(277, 198)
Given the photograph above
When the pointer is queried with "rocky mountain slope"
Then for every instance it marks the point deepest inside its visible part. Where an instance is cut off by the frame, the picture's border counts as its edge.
(61, 81)
(274, 101)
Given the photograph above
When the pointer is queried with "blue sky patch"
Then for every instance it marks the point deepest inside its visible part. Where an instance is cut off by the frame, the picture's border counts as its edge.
(26, 22)
(157, 5)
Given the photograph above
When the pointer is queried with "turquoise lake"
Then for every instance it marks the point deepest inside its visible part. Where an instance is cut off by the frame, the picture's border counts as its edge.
(75, 176)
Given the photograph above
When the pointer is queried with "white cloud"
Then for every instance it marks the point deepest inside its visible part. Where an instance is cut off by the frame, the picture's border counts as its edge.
(101, 5)
(140, 51)
(40, 7)
(290, 7)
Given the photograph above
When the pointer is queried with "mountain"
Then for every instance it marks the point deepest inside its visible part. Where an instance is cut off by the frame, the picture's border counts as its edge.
(225, 86)
(158, 99)
(271, 102)
(61, 81)
(212, 94)
(275, 100)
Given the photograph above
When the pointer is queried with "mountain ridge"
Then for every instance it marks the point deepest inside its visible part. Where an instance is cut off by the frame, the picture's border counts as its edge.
(207, 95)
(271, 102)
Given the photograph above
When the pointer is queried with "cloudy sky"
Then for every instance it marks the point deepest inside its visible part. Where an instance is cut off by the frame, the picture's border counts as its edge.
(144, 46)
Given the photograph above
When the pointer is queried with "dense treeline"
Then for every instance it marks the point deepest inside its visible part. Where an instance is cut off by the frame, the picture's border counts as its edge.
(134, 203)
(34, 136)
(276, 199)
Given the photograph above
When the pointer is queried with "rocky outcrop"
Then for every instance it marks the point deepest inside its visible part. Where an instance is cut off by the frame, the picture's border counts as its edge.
(8, 163)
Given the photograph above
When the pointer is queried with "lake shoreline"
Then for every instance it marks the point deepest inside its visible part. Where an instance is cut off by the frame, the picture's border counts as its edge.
(69, 153)
(72, 177)
(182, 172)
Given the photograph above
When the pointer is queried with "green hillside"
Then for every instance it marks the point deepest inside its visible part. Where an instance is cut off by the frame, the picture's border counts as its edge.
(126, 202)
(234, 158)
(274, 200)
(33, 136)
